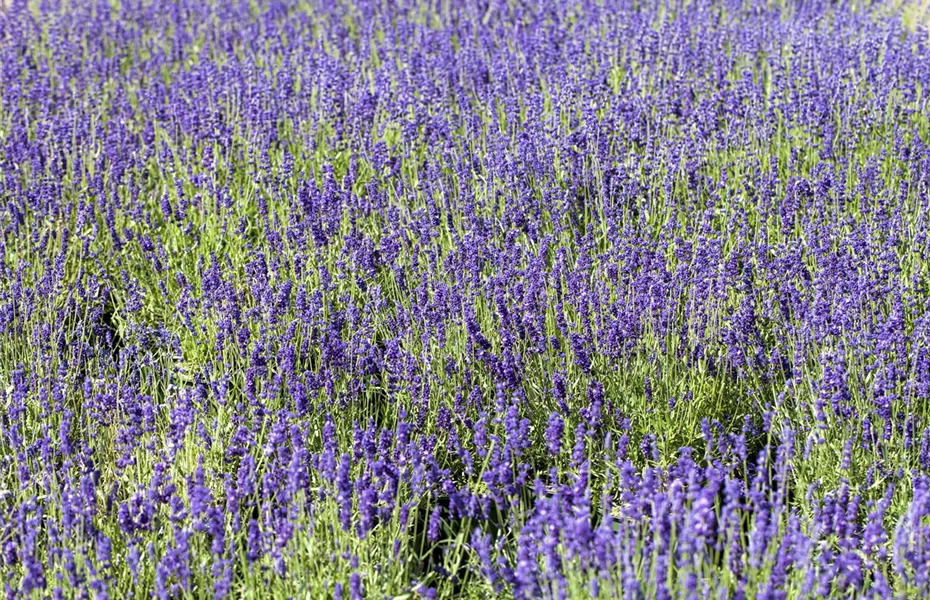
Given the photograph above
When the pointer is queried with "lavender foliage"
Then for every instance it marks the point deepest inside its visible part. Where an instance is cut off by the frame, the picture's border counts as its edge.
(544, 299)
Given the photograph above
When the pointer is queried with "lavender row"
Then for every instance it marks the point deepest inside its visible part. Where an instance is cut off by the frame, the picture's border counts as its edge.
(473, 299)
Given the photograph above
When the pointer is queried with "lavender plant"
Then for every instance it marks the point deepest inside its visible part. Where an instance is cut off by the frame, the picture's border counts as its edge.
(362, 299)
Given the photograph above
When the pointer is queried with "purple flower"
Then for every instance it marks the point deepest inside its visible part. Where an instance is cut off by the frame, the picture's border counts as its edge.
(355, 587)
(554, 431)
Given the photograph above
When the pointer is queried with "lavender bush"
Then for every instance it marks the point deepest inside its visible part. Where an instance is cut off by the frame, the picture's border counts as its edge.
(479, 298)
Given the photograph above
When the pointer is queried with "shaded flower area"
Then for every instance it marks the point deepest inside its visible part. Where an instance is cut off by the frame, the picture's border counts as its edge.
(464, 299)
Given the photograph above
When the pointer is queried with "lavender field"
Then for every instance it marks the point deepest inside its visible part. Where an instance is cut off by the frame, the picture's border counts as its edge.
(399, 299)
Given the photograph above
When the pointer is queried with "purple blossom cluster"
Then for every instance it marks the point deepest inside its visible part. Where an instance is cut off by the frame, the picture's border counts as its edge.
(364, 299)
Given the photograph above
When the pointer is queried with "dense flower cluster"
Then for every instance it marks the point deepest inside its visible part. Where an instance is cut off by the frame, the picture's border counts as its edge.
(478, 298)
